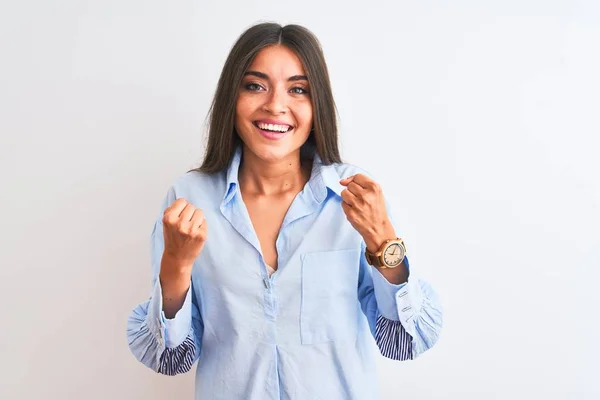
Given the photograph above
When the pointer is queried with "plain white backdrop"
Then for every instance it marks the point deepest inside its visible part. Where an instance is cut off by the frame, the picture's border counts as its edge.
(479, 118)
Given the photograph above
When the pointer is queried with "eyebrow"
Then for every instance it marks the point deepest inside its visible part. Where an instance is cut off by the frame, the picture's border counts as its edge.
(262, 75)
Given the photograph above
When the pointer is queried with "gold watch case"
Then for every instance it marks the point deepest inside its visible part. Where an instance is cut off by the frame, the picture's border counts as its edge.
(390, 254)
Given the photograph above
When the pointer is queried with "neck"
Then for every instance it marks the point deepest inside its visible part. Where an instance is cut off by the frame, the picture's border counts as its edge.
(265, 178)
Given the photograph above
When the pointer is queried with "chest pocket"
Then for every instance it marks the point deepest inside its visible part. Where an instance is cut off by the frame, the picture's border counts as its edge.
(330, 306)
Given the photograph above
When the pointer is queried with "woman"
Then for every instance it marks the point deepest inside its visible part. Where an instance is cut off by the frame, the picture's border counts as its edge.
(301, 267)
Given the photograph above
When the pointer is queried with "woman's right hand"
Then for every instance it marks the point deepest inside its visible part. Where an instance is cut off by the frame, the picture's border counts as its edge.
(184, 231)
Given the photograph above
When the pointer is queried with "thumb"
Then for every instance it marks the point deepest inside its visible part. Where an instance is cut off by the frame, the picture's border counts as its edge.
(346, 180)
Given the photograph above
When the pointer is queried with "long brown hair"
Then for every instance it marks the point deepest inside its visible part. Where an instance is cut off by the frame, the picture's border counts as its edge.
(222, 137)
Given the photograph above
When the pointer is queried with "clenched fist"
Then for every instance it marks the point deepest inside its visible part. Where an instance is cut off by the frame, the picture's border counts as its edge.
(364, 206)
(184, 230)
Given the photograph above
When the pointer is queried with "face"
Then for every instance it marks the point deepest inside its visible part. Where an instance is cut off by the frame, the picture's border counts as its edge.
(274, 111)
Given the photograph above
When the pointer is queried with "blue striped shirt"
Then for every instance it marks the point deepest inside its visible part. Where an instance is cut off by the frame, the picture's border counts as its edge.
(310, 330)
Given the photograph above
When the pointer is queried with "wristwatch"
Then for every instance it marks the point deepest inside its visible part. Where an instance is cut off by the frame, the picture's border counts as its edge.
(390, 254)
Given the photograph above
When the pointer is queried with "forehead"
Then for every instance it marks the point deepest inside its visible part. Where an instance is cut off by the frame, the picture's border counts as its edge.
(279, 62)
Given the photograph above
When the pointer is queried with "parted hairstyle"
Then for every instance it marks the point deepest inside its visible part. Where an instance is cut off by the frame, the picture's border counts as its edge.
(222, 136)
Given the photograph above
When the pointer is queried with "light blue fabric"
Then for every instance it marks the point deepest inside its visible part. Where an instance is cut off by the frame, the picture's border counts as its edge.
(306, 332)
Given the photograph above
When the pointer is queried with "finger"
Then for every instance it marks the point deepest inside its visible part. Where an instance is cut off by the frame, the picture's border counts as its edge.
(349, 211)
(356, 189)
(171, 214)
(347, 208)
(346, 180)
(363, 180)
(187, 213)
(197, 218)
(203, 230)
(349, 197)
(176, 207)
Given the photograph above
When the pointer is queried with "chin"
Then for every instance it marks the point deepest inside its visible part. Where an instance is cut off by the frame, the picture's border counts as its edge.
(271, 152)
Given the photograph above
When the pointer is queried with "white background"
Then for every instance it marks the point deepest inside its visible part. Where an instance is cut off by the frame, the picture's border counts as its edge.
(479, 118)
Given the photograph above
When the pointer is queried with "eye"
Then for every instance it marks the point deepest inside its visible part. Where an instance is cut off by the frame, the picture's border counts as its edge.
(299, 90)
(253, 87)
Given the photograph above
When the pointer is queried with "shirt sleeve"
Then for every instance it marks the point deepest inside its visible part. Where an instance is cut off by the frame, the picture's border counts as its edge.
(167, 346)
(405, 319)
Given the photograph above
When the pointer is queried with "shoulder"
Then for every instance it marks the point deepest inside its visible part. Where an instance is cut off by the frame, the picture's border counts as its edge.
(197, 187)
(197, 180)
(344, 170)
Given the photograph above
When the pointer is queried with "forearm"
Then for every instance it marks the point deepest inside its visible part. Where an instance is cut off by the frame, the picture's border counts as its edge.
(175, 282)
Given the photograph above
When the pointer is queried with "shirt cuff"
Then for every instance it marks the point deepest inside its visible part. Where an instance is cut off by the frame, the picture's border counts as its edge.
(169, 332)
(397, 302)
(385, 293)
(409, 301)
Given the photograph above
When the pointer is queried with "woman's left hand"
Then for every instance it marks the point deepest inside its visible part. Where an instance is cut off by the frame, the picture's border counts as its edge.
(364, 206)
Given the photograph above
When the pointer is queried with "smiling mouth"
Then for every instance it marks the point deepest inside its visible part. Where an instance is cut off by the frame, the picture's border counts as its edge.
(276, 128)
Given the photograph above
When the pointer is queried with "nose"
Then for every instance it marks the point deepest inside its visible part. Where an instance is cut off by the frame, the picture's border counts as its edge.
(276, 103)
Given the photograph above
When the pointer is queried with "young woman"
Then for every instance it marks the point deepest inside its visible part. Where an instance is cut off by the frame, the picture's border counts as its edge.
(275, 265)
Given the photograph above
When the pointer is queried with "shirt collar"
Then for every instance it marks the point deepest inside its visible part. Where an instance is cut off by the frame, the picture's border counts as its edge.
(232, 175)
(322, 177)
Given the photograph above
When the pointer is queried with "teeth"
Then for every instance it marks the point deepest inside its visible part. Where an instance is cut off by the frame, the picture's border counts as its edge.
(275, 128)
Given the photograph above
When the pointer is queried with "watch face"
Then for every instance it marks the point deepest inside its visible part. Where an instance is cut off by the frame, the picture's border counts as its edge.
(393, 255)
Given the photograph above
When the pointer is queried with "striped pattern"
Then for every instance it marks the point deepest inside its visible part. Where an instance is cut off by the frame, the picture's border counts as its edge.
(393, 340)
(177, 360)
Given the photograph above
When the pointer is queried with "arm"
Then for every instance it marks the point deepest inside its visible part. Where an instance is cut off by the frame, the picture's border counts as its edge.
(404, 313)
(165, 332)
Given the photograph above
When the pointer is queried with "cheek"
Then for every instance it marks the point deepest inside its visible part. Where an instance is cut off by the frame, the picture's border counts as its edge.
(241, 107)
(244, 109)
(305, 114)
(246, 103)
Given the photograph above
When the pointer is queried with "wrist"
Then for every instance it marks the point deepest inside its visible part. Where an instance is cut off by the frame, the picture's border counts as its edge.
(175, 266)
(174, 274)
(174, 288)
(395, 276)
(379, 236)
